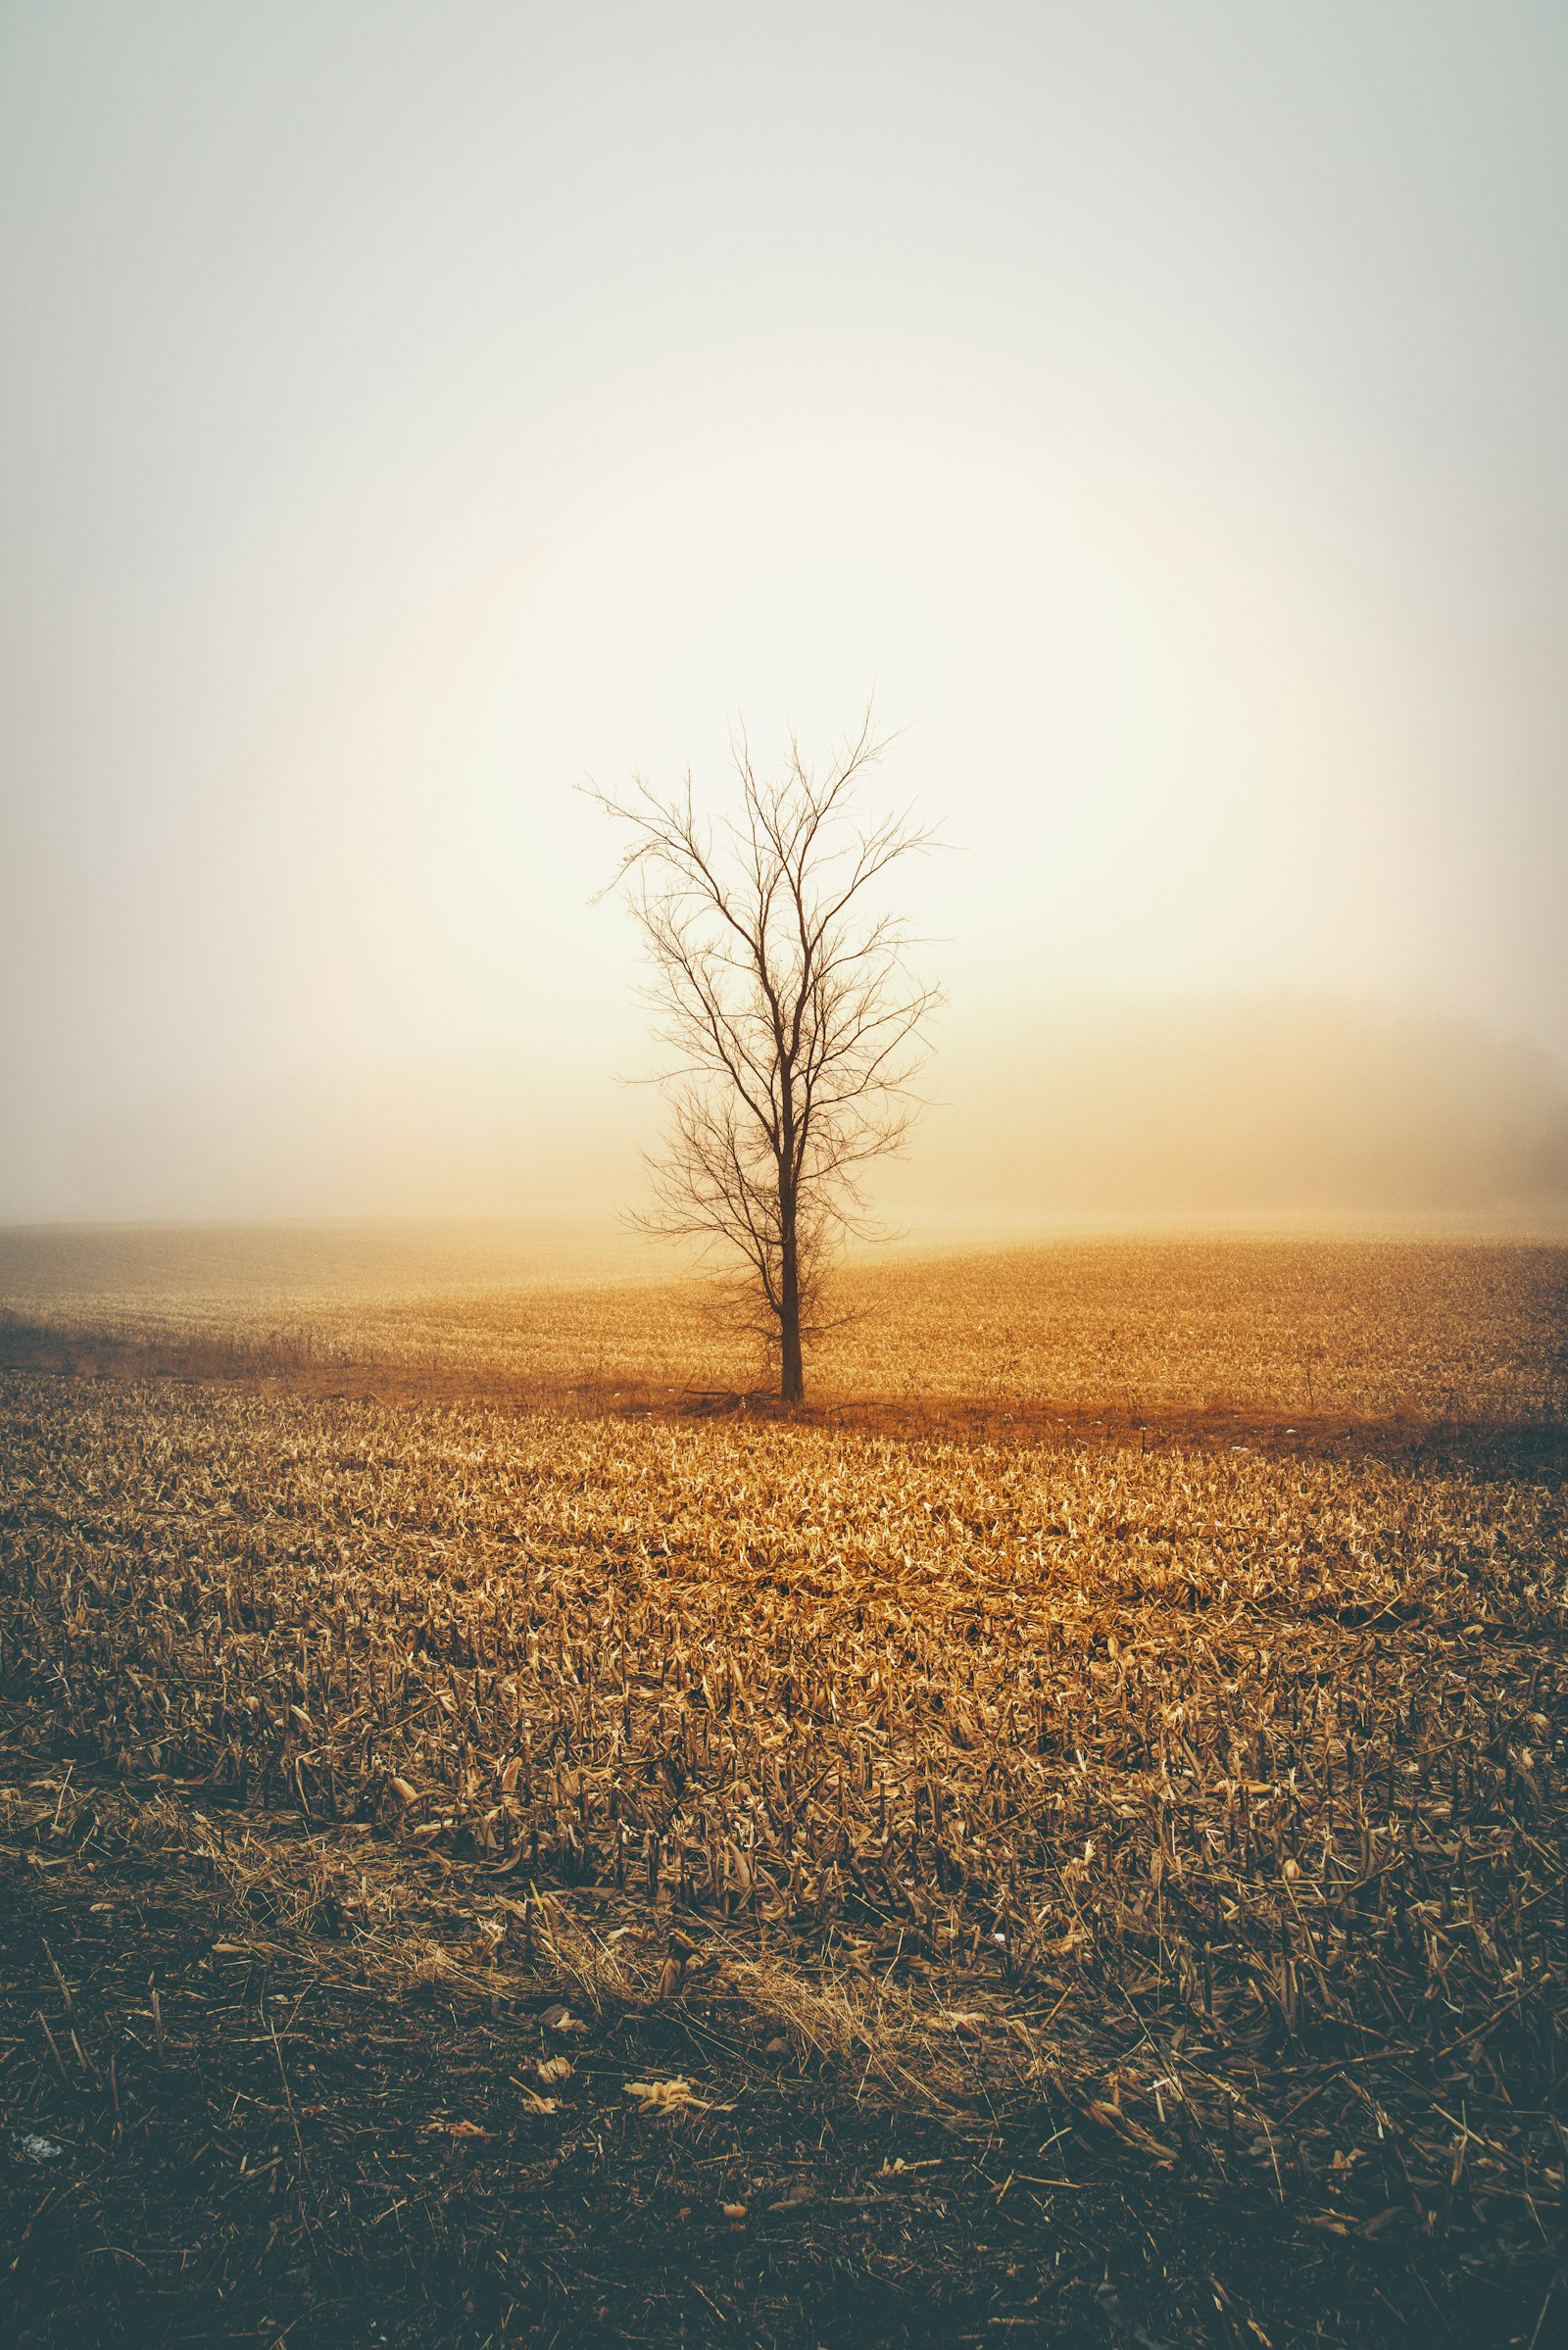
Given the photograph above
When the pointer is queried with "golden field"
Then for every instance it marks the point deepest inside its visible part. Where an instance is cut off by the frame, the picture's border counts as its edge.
(1365, 1327)
(1208, 1784)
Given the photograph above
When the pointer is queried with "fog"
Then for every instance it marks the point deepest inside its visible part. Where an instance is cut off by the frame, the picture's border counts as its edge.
(409, 414)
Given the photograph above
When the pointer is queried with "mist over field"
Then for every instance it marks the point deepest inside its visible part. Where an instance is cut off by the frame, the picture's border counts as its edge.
(1246, 1106)
(1241, 1106)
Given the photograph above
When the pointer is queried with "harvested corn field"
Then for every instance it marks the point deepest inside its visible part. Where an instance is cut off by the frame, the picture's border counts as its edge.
(1141, 1328)
(1136, 1816)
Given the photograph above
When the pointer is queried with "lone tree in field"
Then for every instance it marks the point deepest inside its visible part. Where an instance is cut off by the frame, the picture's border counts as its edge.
(780, 987)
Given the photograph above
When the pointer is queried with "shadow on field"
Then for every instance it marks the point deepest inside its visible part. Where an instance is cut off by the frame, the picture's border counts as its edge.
(1490, 1446)
(216, 2131)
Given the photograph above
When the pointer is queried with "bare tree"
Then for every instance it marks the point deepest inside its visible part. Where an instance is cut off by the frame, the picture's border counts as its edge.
(780, 985)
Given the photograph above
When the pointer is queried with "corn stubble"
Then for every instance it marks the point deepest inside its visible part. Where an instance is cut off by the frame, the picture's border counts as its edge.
(1217, 1793)
(1367, 1329)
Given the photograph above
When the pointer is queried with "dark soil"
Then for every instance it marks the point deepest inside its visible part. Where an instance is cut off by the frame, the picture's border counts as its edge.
(208, 2140)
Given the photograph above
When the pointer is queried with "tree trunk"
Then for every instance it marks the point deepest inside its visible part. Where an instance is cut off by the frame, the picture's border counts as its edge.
(792, 1371)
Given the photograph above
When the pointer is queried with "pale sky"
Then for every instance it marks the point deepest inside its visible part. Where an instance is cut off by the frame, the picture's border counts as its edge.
(409, 410)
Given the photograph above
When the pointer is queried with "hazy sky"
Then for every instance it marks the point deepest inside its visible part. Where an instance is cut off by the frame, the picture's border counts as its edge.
(407, 411)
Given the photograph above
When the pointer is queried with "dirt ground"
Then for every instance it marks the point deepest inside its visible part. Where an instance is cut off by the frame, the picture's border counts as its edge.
(212, 2133)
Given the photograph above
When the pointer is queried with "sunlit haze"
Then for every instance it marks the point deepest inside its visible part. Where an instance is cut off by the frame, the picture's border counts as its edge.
(412, 412)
